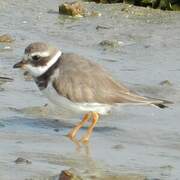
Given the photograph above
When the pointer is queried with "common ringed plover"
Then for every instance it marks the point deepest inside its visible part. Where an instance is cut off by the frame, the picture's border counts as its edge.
(77, 84)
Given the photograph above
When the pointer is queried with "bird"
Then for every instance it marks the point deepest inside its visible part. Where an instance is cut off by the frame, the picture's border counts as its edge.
(77, 84)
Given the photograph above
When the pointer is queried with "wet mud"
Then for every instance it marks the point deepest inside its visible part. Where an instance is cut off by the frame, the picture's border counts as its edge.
(139, 142)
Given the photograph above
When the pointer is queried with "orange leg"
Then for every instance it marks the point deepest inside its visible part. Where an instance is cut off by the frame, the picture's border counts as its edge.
(74, 131)
(86, 137)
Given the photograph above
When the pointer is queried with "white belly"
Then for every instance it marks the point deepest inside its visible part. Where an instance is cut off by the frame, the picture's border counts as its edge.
(65, 104)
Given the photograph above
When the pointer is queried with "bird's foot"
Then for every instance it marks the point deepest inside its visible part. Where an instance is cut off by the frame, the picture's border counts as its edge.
(71, 135)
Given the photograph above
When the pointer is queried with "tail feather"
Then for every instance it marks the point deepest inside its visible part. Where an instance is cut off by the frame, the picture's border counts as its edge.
(162, 106)
(160, 102)
(134, 98)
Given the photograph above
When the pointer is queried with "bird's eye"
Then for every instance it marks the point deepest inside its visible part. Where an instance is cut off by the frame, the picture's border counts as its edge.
(35, 57)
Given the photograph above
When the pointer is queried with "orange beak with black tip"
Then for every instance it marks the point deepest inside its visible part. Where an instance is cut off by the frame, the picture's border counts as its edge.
(20, 64)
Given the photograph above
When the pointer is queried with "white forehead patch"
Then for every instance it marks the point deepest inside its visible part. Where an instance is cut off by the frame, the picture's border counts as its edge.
(39, 70)
(41, 54)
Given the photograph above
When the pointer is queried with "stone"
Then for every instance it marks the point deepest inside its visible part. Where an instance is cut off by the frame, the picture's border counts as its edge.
(6, 38)
(68, 175)
(72, 9)
(21, 160)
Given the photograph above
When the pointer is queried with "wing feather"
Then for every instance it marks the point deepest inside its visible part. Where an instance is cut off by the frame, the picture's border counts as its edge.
(81, 80)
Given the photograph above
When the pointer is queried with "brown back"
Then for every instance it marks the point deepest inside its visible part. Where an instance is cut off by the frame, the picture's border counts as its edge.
(81, 80)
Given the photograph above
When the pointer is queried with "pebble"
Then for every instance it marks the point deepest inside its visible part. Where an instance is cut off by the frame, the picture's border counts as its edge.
(166, 83)
(6, 38)
(21, 160)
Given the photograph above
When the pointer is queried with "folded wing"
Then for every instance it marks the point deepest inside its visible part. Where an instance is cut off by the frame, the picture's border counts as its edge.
(81, 80)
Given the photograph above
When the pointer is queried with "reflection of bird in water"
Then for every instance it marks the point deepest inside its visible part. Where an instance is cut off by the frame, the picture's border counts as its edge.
(76, 84)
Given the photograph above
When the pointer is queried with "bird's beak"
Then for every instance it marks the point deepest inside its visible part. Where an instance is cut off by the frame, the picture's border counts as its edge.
(20, 64)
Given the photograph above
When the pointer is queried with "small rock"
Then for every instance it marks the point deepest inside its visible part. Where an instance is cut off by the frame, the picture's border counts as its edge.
(21, 160)
(102, 27)
(165, 83)
(72, 9)
(110, 43)
(6, 38)
(56, 129)
(68, 175)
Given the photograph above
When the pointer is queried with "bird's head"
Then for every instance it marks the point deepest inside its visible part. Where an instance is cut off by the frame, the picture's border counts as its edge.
(38, 58)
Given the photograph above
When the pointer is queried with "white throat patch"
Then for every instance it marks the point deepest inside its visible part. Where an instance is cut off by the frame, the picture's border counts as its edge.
(38, 71)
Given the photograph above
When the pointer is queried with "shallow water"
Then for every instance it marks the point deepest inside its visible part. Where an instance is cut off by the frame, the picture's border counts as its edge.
(133, 140)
